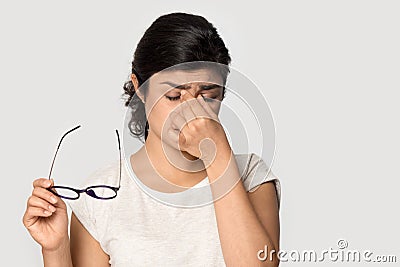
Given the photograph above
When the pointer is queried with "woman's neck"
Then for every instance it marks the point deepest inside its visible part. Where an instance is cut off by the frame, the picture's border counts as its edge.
(167, 162)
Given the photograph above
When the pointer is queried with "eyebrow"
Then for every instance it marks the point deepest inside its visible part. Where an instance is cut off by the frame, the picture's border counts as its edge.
(203, 87)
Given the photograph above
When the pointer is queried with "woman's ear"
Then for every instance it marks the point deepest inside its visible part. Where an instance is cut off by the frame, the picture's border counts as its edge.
(136, 85)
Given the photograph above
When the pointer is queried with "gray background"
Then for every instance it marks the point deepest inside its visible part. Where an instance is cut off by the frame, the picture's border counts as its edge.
(329, 70)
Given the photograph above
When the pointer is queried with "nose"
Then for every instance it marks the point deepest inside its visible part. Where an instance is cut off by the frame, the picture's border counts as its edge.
(194, 90)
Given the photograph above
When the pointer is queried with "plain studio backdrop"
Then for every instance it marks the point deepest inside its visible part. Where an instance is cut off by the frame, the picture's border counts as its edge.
(328, 69)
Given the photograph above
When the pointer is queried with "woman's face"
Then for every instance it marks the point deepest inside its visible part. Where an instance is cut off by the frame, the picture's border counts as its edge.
(163, 95)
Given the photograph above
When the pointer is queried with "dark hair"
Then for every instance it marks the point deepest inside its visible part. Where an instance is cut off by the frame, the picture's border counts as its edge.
(171, 39)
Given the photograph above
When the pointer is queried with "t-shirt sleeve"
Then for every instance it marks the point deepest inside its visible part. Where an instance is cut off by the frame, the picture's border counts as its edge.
(87, 209)
(257, 172)
(84, 211)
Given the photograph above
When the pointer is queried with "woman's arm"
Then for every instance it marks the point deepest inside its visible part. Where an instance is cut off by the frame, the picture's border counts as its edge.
(85, 250)
(60, 257)
(265, 203)
(247, 222)
(242, 231)
(81, 250)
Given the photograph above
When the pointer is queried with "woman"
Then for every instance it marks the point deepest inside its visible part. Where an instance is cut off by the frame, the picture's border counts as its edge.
(136, 230)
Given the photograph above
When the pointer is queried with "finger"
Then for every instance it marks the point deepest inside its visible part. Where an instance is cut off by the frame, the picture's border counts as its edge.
(53, 190)
(183, 127)
(207, 108)
(176, 138)
(176, 120)
(194, 105)
(173, 126)
(34, 201)
(185, 109)
(182, 141)
(178, 129)
(43, 182)
(45, 194)
(172, 135)
(32, 213)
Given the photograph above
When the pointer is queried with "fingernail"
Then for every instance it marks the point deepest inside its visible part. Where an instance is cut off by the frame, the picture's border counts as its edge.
(47, 212)
(51, 208)
(53, 199)
(183, 92)
(48, 183)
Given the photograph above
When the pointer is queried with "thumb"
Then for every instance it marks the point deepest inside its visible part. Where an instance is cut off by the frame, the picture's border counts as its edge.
(182, 140)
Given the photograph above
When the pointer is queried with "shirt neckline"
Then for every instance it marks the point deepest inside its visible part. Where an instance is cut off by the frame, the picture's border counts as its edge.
(200, 184)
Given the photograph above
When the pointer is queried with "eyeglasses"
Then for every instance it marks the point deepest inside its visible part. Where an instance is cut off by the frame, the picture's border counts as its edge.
(103, 192)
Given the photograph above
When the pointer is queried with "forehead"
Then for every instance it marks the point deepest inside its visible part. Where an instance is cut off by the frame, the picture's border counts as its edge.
(187, 76)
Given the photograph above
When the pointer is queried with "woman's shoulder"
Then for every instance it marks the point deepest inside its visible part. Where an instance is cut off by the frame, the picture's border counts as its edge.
(249, 163)
(254, 171)
(104, 174)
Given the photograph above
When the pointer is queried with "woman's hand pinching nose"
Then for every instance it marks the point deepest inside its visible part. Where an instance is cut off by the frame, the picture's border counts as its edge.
(200, 123)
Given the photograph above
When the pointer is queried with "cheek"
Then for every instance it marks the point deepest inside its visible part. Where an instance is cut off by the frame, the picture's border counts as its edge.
(159, 114)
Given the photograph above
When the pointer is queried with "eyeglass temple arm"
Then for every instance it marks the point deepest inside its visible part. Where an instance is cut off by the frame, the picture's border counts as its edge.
(120, 158)
(59, 144)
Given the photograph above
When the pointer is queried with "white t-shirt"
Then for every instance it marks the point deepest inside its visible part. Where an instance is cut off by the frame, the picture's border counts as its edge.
(136, 229)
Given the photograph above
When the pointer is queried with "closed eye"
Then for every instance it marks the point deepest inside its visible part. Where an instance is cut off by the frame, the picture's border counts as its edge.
(173, 98)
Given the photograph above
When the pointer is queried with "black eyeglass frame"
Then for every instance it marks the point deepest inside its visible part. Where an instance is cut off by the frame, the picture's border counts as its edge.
(89, 189)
